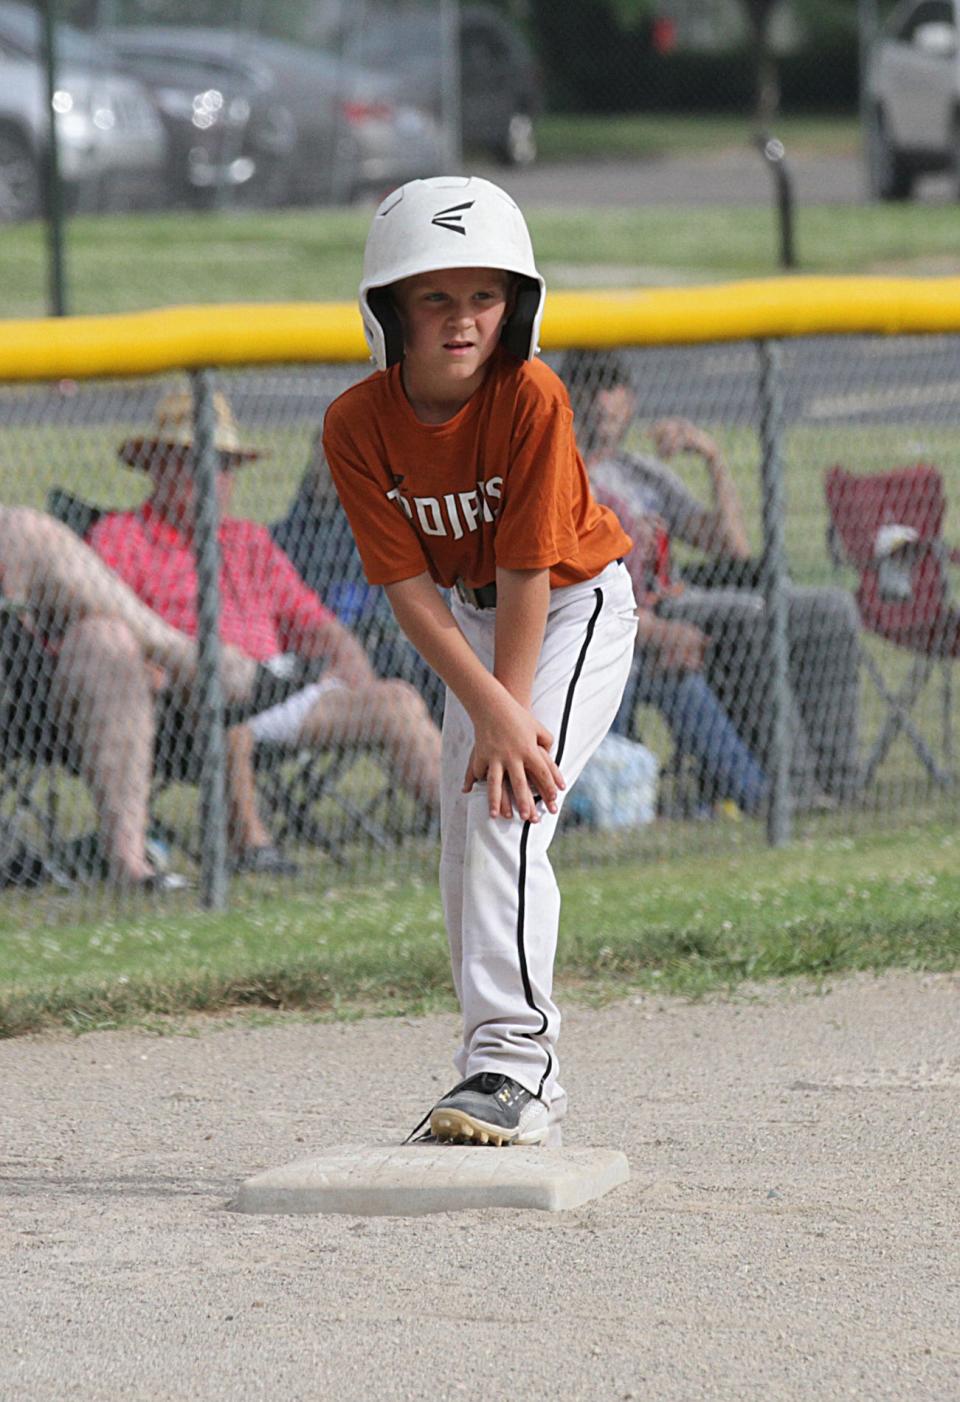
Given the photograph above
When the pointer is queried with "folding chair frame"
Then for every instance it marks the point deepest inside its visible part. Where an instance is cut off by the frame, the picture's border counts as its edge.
(27, 817)
(899, 720)
(901, 701)
(292, 800)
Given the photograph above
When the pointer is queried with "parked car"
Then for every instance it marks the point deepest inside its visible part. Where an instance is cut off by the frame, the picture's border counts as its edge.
(914, 97)
(111, 144)
(498, 78)
(501, 87)
(274, 122)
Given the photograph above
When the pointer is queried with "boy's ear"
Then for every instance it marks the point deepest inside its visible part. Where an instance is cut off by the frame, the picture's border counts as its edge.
(384, 307)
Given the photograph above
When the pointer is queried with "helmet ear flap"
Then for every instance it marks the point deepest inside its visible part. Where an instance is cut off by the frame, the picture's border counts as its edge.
(383, 307)
(520, 329)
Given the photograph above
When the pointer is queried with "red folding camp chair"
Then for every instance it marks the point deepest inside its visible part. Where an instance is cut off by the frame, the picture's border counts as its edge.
(889, 527)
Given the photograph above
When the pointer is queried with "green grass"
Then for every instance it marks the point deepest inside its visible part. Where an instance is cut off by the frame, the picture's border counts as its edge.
(689, 925)
(124, 263)
(660, 244)
(647, 136)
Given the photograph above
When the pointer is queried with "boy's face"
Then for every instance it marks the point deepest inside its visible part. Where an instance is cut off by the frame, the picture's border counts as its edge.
(452, 322)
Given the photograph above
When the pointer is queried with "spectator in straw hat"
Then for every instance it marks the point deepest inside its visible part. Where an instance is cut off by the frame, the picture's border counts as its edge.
(267, 611)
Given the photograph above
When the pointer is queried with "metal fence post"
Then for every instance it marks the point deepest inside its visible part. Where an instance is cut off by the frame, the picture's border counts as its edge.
(451, 113)
(53, 191)
(213, 813)
(774, 154)
(773, 573)
(868, 23)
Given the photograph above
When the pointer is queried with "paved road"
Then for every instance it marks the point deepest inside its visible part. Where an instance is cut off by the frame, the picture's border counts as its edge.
(791, 1230)
(729, 177)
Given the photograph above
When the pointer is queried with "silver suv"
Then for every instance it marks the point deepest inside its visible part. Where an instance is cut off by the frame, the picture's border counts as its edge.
(111, 142)
(913, 87)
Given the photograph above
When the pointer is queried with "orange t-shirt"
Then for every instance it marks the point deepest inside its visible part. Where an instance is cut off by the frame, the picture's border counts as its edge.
(501, 483)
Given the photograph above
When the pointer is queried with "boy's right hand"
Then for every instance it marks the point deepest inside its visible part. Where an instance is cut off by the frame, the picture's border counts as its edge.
(511, 751)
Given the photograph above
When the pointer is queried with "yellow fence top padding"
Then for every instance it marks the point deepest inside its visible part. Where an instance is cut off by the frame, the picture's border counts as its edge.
(141, 343)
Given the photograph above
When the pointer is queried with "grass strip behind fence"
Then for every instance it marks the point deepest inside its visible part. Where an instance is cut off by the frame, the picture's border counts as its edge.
(117, 263)
(654, 135)
(685, 926)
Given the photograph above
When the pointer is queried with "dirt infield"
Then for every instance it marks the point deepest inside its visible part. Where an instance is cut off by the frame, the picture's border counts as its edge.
(791, 1229)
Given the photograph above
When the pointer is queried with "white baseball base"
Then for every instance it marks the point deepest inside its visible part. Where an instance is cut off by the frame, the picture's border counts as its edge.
(397, 1181)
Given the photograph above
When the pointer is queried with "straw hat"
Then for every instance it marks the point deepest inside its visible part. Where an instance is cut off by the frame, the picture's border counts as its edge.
(173, 430)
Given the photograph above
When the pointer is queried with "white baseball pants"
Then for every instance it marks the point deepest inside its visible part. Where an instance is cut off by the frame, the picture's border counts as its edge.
(500, 898)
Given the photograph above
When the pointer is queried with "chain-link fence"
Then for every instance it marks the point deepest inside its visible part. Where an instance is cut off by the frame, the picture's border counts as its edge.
(856, 668)
(789, 507)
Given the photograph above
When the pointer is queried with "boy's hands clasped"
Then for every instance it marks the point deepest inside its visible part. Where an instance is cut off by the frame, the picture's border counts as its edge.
(511, 751)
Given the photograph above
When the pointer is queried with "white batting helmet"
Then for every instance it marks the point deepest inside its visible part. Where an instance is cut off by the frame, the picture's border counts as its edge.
(449, 221)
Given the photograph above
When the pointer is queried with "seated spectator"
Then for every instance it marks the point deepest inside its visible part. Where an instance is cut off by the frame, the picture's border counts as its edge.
(58, 600)
(722, 628)
(667, 673)
(125, 641)
(316, 536)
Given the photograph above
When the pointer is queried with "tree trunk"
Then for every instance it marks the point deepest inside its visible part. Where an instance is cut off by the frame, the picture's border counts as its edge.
(767, 79)
(768, 87)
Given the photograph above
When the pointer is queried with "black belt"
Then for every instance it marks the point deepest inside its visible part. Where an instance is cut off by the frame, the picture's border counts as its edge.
(483, 597)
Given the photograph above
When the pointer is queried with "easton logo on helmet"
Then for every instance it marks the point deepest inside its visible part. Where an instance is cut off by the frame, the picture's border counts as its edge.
(452, 218)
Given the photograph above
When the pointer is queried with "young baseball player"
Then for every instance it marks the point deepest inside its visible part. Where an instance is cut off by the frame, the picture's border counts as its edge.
(457, 466)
